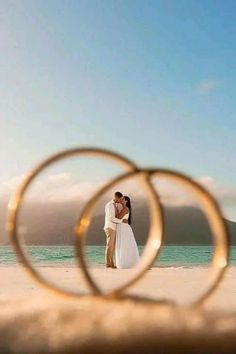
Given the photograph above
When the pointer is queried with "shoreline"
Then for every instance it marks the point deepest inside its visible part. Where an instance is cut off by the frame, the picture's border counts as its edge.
(102, 266)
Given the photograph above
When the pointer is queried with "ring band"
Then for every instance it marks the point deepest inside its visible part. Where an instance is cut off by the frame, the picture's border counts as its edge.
(15, 204)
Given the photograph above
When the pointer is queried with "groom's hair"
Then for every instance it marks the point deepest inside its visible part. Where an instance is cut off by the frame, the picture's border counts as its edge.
(118, 195)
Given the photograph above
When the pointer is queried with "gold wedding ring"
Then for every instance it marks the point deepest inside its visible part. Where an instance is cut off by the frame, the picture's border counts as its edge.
(155, 237)
(16, 200)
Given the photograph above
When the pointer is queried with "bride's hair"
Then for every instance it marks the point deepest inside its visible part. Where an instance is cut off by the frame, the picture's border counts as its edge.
(128, 205)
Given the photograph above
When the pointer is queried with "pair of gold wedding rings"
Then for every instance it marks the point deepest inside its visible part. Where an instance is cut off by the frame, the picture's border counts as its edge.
(152, 248)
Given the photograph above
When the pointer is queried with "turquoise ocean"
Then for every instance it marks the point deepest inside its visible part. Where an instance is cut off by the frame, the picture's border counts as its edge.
(170, 256)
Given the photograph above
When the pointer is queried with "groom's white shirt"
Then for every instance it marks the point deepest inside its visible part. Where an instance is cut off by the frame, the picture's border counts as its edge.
(110, 216)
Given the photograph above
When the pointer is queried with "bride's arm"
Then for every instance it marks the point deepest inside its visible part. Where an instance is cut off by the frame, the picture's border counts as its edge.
(122, 213)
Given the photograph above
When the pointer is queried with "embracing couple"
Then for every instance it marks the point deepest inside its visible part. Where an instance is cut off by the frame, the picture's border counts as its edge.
(120, 240)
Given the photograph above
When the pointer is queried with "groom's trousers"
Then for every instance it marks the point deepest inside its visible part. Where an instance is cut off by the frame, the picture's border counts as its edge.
(110, 246)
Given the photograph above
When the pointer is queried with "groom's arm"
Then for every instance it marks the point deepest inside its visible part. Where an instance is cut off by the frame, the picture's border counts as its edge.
(111, 214)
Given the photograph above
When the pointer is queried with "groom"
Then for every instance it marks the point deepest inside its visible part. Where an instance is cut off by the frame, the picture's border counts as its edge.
(110, 227)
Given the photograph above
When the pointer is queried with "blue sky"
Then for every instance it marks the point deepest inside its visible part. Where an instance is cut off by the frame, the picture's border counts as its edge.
(151, 79)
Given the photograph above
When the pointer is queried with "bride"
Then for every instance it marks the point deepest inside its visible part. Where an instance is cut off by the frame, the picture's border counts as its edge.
(126, 250)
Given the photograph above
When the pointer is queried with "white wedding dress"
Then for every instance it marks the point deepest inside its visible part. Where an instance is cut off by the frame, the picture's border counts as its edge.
(126, 250)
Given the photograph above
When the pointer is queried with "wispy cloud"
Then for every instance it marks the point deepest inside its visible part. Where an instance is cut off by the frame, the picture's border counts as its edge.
(64, 187)
(207, 86)
(224, 194)
(60, 187)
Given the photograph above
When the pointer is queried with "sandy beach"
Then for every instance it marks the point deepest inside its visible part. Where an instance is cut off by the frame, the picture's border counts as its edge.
(181, 284)
(34, 320)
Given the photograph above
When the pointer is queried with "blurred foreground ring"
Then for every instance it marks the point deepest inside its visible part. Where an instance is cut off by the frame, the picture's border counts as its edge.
(16, 201)
(156, 230)
(210, 207)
